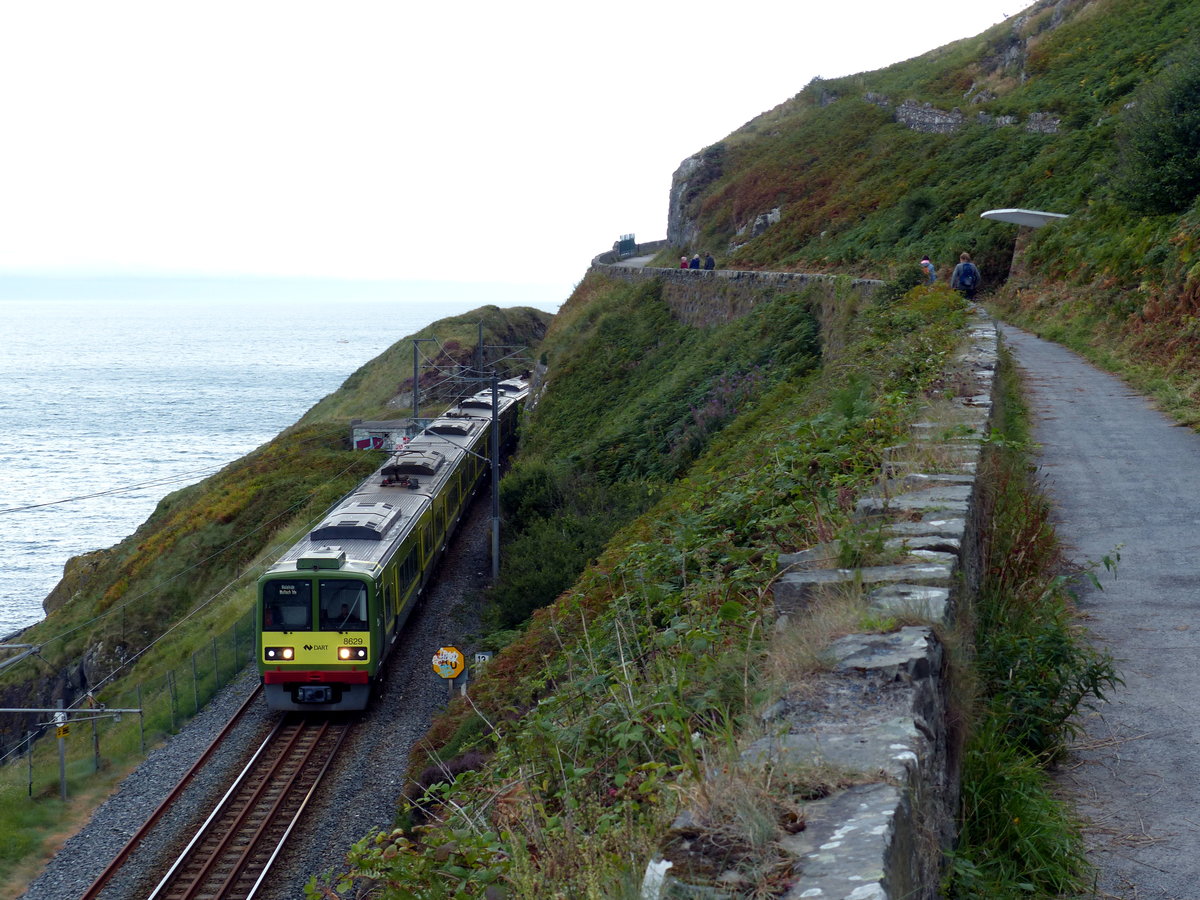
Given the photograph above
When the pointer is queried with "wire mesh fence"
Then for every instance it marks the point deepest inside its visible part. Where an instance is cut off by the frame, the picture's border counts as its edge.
(121, 722)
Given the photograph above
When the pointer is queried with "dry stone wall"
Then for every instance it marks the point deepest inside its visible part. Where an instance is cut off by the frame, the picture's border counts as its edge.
(880, 714)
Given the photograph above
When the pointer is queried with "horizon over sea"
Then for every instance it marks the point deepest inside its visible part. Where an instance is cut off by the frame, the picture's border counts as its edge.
(108, 404)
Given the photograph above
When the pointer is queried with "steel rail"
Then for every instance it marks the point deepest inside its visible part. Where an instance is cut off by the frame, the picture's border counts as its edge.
(296, 818)
(119, 860)
(293, 768)
(216, 811)
(225, 858)
(233, 814)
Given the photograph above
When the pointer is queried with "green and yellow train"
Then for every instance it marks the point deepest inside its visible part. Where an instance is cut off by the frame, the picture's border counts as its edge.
(331, 609)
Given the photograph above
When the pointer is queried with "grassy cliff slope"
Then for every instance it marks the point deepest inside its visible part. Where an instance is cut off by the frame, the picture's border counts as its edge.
(861, 191)
(613, 700)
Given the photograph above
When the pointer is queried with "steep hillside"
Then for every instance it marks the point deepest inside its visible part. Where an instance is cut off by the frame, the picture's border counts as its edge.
(383, 386)
(606, 707)
(742, 441)
(866, 173)
(634, 398)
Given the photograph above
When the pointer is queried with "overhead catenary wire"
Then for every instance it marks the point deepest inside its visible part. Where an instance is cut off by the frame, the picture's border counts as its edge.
(137, 485)
(123, 489)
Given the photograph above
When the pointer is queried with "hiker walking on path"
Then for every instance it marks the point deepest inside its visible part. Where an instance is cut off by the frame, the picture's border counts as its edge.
(965, 277)
(1121, 474)
(929, 270)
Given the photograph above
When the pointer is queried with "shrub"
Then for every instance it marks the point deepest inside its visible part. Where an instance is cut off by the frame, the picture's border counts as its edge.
(1160, 142)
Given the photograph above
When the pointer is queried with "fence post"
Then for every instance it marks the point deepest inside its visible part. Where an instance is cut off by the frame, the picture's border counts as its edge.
(29, 757)
(141, 719)
(216, 663)
(95, 743)
(171, 696)
(60, 719)
(195, 688)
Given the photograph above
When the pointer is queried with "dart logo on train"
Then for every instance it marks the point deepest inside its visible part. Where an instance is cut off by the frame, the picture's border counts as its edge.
(332, 607)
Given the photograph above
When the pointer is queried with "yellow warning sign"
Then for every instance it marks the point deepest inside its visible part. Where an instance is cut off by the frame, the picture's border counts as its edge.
(448, 662)
(62, 731)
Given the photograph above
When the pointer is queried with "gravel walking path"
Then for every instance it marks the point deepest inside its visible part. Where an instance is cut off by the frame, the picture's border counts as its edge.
(1121, 474)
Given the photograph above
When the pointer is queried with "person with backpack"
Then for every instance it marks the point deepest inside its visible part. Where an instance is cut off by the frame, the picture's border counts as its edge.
(965, 278)
(928, 268)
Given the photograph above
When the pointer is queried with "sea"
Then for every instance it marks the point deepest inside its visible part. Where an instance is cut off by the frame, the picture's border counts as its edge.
(114, 394)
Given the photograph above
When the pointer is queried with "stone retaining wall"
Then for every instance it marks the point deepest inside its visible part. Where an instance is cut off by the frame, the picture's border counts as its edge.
(703, 298)
(880, 714)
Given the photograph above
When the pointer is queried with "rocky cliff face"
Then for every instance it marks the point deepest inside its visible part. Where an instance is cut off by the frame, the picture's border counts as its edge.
(687, 184)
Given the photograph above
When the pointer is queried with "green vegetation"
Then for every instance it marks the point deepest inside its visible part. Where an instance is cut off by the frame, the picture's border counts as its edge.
(605, 713)
(862, 193)
(1035, 671)
(665, 465)
(637, 397)
(382, 388)
(1160, 142)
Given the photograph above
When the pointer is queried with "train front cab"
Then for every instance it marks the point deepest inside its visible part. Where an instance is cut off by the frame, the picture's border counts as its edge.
(319, 635)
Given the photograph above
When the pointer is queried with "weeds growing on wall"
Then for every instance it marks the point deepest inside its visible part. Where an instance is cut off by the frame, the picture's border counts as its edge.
(1034, 671)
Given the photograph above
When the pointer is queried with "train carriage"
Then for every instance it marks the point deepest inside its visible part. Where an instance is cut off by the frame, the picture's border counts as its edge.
(331, 608)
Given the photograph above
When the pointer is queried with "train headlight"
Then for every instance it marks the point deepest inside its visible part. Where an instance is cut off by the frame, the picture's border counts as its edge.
(358, 653)
(279, 654)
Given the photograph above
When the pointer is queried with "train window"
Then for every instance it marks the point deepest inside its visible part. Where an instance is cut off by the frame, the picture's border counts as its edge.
(343, 605)
(408, 571)
(287, 606)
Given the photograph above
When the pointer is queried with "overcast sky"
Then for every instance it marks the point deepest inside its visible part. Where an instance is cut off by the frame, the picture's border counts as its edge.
(440, 140)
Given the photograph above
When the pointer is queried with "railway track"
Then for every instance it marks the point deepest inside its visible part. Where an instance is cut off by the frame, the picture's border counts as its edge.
(230, 855)
(113, 867)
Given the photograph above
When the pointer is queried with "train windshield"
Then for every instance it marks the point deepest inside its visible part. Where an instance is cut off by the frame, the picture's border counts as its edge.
(287, 606)
(343, 605)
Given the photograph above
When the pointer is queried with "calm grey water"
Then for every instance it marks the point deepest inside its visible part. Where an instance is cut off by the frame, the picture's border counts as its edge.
(132, 399)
